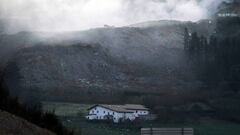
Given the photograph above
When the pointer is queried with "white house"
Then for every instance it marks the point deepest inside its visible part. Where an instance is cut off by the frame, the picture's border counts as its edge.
(117, 113)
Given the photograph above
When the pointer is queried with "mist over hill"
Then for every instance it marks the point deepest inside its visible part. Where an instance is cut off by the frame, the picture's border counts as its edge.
(105, 60)
(65, 15)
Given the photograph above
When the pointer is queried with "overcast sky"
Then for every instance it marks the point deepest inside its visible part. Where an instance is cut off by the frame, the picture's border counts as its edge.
(64, 15)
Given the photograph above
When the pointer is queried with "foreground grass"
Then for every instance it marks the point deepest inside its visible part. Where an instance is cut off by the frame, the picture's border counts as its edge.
(83, 127)
(72, 117)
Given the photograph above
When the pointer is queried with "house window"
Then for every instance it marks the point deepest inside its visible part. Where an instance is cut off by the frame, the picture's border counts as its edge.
(136, 111)
(113, 113)
(92, 111)
(104, 112)
(108, 113)
(97, 111)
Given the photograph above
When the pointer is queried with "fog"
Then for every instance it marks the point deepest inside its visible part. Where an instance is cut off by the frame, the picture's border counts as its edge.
(69, 15)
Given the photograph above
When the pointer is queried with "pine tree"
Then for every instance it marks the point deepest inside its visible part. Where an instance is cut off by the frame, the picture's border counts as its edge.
(194, 44)
(186, 39)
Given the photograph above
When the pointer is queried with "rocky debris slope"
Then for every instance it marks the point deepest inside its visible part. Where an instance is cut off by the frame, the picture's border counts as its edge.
(134, 58)
(13, 125)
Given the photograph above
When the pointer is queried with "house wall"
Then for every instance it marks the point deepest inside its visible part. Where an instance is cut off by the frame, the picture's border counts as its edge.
(91, 117)
(100, 112)
(130, 116)
(124, 116)
(117, 117)
(140, 112)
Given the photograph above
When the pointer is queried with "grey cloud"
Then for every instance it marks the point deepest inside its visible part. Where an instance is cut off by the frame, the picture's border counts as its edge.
(64, 15)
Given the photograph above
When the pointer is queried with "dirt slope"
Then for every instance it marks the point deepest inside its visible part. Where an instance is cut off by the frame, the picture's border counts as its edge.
(13, 125)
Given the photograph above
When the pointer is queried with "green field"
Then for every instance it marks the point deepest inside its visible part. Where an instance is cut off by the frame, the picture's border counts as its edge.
(72, 117)
(65, 109)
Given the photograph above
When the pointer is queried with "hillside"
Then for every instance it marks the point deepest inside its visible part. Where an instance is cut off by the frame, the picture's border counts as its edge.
(136, 42)
(10, 44)
(104, 62)
(12, 125)
(82, 71)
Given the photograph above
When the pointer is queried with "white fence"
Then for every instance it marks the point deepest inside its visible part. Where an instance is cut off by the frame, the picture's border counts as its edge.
(167, 131)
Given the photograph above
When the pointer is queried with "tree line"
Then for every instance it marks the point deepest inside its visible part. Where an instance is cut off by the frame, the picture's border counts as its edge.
(216, 58)
(215, 61)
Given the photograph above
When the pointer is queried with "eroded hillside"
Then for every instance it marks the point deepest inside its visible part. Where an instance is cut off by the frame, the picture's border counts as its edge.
(12, 125)
(107, 63)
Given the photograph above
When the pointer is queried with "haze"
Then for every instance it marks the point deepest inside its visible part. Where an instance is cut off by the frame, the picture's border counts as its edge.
(71, 15)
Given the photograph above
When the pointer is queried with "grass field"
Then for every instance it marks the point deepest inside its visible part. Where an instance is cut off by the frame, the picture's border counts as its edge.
(65, 109)
(72, 117)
